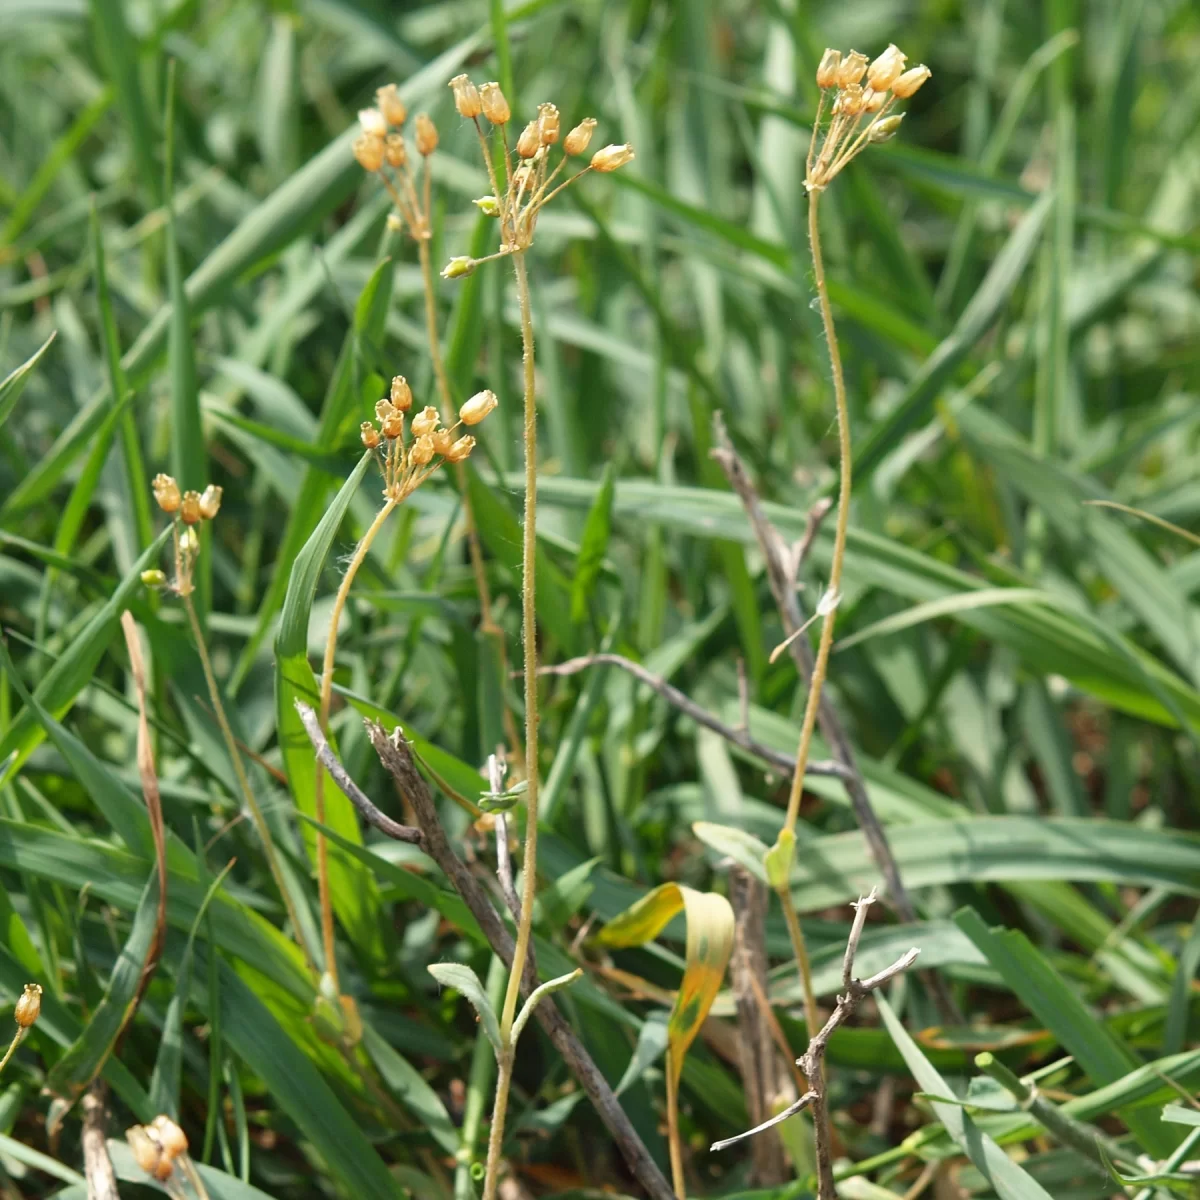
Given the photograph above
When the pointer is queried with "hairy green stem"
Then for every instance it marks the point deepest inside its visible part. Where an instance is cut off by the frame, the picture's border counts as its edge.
(339, 603)
(529, 638)
(18, 1038)
(504, 1064)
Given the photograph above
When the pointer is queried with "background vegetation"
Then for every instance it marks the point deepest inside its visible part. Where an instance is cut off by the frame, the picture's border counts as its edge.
(1014, 280)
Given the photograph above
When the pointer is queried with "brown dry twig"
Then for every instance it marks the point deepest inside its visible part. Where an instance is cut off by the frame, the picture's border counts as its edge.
(396, 756)
(670, 693)
(811, 1062)
(783, 562)
(97, 1166)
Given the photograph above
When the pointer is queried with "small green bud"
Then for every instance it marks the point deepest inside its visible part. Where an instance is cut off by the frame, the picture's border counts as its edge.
(154, 578)
(885, 130)
(487, 205)
(459, 268)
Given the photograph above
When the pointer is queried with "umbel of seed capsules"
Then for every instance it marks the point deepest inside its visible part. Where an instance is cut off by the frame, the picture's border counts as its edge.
(862, 92)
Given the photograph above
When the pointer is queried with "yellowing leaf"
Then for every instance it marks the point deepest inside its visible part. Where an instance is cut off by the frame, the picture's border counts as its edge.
(709, 943)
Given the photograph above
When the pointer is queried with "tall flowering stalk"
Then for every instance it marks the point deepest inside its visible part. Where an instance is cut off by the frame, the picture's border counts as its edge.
(524, 180)
(859, 115)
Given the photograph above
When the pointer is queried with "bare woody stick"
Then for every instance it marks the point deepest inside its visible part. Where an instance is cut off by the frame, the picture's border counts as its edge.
(811, 1062)
(738, 737)
(431, 837)
(783, 567)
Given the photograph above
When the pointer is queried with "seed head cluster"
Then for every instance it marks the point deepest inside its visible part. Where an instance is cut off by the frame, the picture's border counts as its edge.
(157, 1147)
(408, 459)
(380, 149)
(529, 177)
(863, 93)
(187, 510)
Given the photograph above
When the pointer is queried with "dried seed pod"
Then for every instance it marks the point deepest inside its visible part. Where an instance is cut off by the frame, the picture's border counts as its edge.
(390, 104)
(171, 1138)
(426, 421)
(478, 407)
(166, 493)
(373, 122)
(530, 140)
(29, 1005)
(392, 425)
(548, 124)
(425, 134)
(369, 151)
(910, 81)
(466, 97)
(612, 157)
(189, 509)
(461, 449)
(886, 69)
(495, 106)
(394, 150)
(443, 439)
(210, 501)
(873, 101)
(422, 450)
(369, 435)
(850, 100)
(401, 393)
(147, 1153)
(576, 142)
(852, 69)
(827, 69)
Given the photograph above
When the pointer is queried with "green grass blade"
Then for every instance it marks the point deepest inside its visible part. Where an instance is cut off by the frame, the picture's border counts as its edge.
(13, 384)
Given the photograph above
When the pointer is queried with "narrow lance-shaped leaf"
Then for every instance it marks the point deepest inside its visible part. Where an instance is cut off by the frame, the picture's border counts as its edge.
(83, 1060)
(13, 384)
(462, 979)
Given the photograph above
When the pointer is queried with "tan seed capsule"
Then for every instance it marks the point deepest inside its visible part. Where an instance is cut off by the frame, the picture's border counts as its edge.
(461, 449)
(392, 425)
(548, 124)
(827, 69)
(422, 450)
(164, 1169)
(576, 142)
(166, 493)
(466, 97)
(369, 152)
(373, 122)
(171, 1138)
(401, 393)
(426, 421)
(369, 435)
(478, 407)
(886, 69)
(873, 101)
(910, 81)
(611, 158)
(495, 106)
(210, 501)
(189, 510)
(189, 542)
(384, 408)
(29, 1005)
(443, 439)
(425, 134)
(395, 151)
(851, 100)
(390, 104)
(146, 1151)
(529, 141)
(852, 69)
